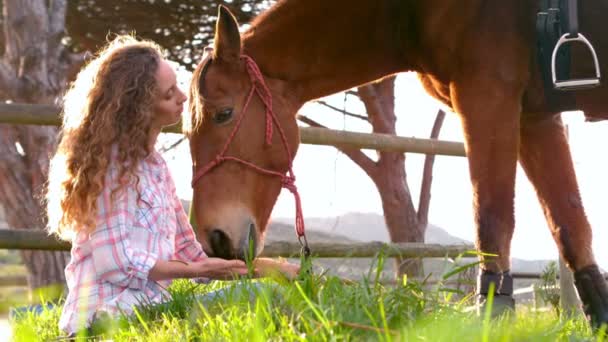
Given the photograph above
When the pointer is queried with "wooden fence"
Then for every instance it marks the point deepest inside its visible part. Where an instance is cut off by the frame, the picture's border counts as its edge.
(39, 240)
(32, 114)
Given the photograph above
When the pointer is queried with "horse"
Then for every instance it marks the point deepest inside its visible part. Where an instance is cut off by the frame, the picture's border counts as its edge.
(477, 57)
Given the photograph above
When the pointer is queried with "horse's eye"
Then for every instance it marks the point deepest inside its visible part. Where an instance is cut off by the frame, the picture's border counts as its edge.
(222, 116)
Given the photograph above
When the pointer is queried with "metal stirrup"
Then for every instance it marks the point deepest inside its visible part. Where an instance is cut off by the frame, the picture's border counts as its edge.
(574, 36)
(575, 84)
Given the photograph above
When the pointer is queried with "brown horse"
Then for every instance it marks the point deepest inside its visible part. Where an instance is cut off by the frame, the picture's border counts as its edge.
(478, 57)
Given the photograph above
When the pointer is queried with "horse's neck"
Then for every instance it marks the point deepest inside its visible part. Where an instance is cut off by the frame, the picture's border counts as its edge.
(322, 47)
(325, 46)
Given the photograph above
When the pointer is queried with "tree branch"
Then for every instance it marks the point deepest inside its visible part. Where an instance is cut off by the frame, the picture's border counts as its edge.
(375, 111)
(385, 90)
(381, 117)
(352, 93)
(357, 156)
(347, 113)
(164, 149)
(427, 174)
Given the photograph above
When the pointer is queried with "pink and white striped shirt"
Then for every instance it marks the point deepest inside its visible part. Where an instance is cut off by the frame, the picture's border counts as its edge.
(108, 270)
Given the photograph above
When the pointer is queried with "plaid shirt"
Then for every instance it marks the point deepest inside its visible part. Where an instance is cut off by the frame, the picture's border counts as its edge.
(108, 270)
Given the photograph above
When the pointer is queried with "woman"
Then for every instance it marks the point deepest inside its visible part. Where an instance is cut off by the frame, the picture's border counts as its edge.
(112, 195)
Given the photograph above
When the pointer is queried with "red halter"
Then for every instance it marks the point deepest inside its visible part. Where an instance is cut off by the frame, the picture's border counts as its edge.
(288, 179)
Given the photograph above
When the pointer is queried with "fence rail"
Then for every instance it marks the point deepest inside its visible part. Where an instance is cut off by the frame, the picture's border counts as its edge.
(21, 280)
(34, 114)
(40, 240)
(13, 281)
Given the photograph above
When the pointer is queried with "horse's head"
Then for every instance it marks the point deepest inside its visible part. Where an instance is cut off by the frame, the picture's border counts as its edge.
(234, 151)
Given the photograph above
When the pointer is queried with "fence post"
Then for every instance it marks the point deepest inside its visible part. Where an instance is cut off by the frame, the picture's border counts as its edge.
(535, 297)
(568, 295)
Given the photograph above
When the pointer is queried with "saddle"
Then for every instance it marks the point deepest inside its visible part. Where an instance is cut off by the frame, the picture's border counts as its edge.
(557, 29)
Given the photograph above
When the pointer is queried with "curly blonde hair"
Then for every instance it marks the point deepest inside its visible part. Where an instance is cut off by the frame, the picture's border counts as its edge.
(109, 106)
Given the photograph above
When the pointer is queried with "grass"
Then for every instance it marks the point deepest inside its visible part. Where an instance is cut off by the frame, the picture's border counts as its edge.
(315, 308)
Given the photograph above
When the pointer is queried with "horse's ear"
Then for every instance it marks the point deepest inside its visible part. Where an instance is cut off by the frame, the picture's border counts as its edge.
(227, 37)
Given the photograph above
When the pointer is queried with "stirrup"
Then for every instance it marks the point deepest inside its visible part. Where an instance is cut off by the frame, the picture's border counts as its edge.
(575, 84)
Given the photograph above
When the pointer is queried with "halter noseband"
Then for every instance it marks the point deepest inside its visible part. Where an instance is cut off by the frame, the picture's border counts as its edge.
(288, 178)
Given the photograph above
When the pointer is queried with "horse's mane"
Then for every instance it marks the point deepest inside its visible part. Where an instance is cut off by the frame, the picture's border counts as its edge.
(192, 119)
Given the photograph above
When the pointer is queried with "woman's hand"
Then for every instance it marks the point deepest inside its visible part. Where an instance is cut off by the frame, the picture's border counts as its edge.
(266, 267)
(222, 269)
(216, 268)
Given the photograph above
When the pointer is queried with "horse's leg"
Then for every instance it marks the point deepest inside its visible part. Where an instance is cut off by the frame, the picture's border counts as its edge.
(489, 112)
(545, 156)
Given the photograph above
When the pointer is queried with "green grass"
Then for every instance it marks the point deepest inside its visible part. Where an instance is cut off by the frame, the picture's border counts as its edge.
(316, 308)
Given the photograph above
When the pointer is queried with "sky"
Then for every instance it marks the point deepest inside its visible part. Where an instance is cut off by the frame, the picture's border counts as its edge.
(331, 185)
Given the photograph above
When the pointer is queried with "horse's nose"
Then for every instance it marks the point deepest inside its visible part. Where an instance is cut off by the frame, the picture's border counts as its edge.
(220, 244)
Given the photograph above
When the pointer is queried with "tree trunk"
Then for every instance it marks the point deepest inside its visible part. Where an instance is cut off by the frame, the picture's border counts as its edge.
(32, 70)
(390, 177)
(403, 222)
(399, 214)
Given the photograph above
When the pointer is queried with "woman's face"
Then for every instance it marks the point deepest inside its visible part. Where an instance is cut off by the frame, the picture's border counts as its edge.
(169, 101)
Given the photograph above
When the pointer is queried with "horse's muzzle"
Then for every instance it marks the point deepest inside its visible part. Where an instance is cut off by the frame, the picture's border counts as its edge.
(222, 245)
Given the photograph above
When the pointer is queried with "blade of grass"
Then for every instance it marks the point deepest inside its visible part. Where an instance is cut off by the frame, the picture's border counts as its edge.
(141, 320)
(384, 321)
(313, 307)
(488, 313)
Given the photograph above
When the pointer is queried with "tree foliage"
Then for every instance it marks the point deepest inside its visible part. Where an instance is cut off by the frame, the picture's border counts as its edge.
(183, 27)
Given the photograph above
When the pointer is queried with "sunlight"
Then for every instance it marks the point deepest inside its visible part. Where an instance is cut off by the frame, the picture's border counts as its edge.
(5, 330)
(19, 149)
(57, 175)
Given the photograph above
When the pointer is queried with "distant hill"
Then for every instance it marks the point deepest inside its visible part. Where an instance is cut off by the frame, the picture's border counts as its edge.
(368, 227)
(285, 232)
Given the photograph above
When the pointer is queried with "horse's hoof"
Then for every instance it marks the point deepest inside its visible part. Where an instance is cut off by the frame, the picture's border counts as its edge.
(502, 285)
(501, 305)
(593, 291)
